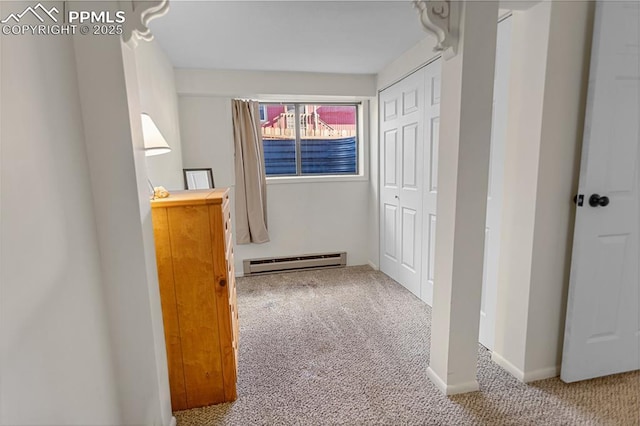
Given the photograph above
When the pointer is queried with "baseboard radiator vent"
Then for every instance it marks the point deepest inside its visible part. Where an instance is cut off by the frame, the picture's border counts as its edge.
(272, 265)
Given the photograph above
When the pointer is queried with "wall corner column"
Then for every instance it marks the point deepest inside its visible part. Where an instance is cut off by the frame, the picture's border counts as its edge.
(463, 174)
(547, 95)
(113, 138)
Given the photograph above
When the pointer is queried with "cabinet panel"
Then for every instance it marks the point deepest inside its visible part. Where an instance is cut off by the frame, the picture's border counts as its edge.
(197, 309)
(197, 287)
(221, 232)
(169, 309)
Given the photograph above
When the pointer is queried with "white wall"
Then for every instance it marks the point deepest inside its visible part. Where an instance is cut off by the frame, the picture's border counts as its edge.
(303, 216)
(373, 226)
(156, 396)
(414, 58)
(544, 137)
(256, 83)
(158, 98)
(109, 97)
(208, 136)
(55, 356)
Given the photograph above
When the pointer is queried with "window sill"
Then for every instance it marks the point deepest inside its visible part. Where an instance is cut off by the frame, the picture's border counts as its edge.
(276, 180)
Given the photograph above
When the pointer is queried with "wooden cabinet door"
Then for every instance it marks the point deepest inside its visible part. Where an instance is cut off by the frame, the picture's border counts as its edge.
(169, 309)
(194, 253)
(197, 304)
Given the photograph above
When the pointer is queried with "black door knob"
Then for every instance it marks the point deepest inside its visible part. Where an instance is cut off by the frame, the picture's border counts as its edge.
(596, 200)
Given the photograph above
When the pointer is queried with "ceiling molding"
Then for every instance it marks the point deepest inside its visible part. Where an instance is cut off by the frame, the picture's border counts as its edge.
(139, 13)
(440, 18)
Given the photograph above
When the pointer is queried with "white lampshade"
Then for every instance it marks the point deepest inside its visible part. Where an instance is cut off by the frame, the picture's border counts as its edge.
(154, 142)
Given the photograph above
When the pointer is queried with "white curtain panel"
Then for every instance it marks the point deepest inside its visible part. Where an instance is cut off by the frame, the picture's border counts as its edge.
(251, 183)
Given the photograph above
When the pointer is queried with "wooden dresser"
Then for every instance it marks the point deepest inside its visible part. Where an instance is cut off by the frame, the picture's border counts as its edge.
(194, 253)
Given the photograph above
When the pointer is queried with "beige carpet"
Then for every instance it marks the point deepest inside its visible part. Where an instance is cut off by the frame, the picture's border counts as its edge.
(350, 346)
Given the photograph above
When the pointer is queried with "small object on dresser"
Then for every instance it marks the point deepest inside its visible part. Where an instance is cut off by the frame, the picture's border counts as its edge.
(160, 192)
(198, 178)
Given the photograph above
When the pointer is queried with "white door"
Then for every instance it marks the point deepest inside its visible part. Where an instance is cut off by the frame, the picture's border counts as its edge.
(432, 134)
(602, 334)
(496, 186)
(401, 151)
(400, 214)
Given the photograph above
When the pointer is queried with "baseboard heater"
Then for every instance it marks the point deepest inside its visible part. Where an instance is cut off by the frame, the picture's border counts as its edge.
(271, 265)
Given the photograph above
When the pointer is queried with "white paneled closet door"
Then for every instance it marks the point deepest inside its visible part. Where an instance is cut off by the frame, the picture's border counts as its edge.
(409, 181)
(430, 198)
(401, 152)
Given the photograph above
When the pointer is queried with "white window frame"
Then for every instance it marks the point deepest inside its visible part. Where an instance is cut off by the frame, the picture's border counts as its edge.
(364, 135)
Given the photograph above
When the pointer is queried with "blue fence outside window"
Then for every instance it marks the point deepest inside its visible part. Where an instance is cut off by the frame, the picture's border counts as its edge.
(319, 156)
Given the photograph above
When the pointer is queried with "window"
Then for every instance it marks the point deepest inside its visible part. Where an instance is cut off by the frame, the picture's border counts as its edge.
(263, 113)
(301, 139)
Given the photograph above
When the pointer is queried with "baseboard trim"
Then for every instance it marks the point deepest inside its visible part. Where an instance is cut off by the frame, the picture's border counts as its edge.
(525, 376)
(451, 389)
(541, 374)
(507, 366)
(173, 421)
(373, 266)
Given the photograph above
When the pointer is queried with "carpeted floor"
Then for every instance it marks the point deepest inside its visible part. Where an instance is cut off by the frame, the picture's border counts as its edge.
(350, 346)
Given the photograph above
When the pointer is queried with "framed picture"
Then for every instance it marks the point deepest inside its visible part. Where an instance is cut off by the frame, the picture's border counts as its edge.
(198, 179)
